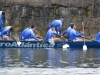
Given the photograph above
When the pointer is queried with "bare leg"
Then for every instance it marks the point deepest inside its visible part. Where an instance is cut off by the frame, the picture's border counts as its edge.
(6, 38)
(56, 39)
(79, 39)
(36, 40)
(33, 40)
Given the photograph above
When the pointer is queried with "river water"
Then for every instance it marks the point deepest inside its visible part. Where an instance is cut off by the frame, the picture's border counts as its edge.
(49, 61)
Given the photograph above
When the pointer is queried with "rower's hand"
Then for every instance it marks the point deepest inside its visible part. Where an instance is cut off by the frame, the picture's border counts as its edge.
(82, 32)
(62, 37)
(82, 36)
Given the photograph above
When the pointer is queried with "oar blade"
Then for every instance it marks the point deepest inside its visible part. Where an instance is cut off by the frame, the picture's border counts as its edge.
(51, 41)
(84, 47)
(65, 46)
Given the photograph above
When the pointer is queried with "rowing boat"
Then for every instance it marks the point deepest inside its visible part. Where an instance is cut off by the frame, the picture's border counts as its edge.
(31, 44)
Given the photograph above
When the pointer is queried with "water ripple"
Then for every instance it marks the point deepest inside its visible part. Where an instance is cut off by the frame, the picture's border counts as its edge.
(50, 71)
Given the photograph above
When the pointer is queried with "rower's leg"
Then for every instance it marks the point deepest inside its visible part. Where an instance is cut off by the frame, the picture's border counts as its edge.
(6, 38)
(32, 39)
(79, 39)
(56, 39)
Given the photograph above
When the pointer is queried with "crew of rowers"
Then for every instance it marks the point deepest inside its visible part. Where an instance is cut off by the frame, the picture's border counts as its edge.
(54, 32)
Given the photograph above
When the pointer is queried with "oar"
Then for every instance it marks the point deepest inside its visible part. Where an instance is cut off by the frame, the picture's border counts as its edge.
(65, 46)
(90, 32)
(84, 46)
(18, 42)
(87, 38)
(51, 41)
(13, 38)
(38, 34)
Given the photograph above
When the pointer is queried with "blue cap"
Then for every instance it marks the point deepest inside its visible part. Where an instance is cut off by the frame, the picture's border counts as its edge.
(71, 23)
(61, 19)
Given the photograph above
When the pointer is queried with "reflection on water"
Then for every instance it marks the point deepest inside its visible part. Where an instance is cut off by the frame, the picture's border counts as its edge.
(4, 58)
(27, 56)
(53, 57)
(49, 58)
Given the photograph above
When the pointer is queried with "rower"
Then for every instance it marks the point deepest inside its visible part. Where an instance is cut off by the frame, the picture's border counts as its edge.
(98, 37)
(2, 19)
(6, 32)
(74, 35)
(24, 31)
(29, 35)
(67, 32)
(52, 34)
(57, 23)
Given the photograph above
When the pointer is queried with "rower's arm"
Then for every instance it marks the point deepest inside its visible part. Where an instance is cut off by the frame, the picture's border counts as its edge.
(49, 26)
(65, 32)
(5, 19)
(4, 31)
(33, 36)
(77, 34)
(60, 28)
(8, 33)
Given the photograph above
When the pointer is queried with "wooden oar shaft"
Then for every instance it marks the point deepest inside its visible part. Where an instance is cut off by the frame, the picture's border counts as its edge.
(37, 33)
(13, 38)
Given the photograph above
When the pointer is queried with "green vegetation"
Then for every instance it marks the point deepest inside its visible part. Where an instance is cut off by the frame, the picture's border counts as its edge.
(42, 32)
(86, 9)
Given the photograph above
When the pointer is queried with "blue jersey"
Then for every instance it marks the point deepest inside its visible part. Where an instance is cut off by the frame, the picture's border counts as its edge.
(6, 31)
(98, 37)
(50, 33)
(1, 23)
(28, 34)
(22, 34)
(68, 32)
(2, 20)
(56, 24)
(74, 34)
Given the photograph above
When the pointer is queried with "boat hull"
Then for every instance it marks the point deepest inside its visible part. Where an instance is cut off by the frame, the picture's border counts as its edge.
(29, 44)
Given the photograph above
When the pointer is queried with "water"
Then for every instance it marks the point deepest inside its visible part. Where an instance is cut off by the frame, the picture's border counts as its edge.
(49, 61)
